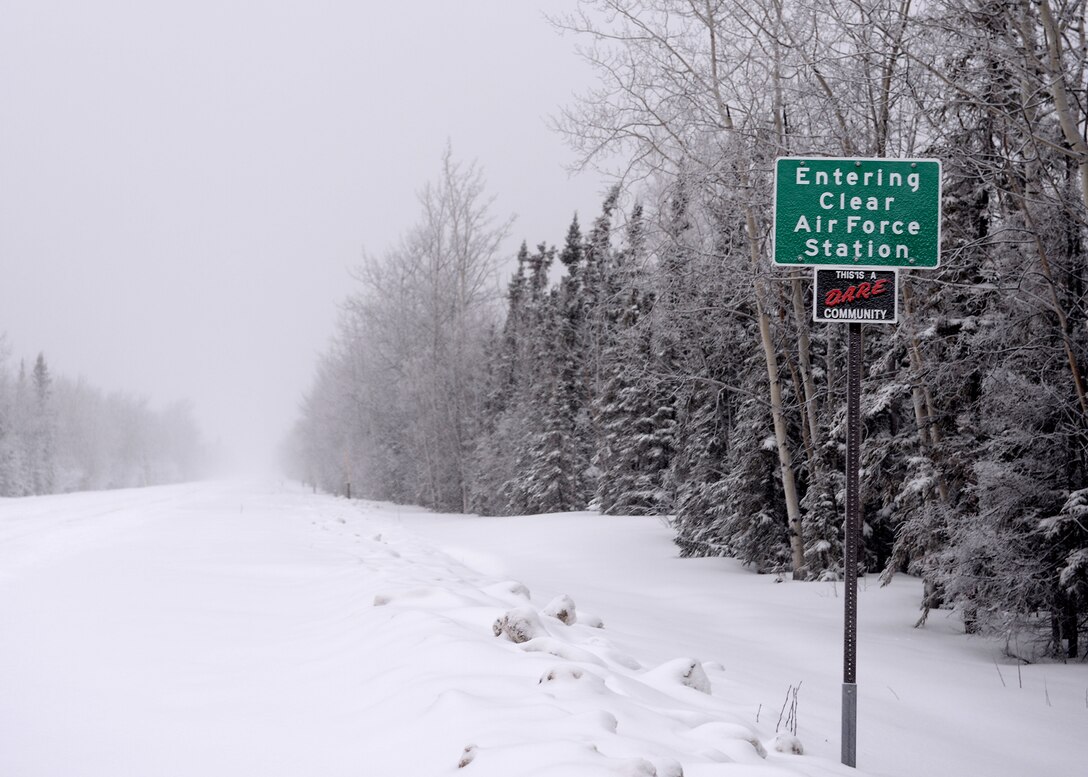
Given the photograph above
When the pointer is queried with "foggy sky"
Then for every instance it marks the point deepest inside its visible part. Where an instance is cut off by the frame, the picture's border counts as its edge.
(184, 186)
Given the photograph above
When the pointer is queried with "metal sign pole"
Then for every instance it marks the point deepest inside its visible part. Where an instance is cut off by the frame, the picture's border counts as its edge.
(850, 560)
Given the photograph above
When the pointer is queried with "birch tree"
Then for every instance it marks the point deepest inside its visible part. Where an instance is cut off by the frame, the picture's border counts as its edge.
(396, 406)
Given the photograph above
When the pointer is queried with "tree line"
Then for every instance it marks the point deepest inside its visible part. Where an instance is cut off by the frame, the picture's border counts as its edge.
(653, 362)
(58, 435)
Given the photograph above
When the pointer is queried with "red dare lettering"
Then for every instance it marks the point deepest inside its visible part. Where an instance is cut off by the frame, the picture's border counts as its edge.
(863, 290)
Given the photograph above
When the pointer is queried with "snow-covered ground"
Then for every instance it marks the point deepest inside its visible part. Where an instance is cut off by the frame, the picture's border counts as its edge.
(223, 630)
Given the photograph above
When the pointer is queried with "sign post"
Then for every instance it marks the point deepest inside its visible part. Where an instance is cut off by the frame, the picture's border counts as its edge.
(855, 221)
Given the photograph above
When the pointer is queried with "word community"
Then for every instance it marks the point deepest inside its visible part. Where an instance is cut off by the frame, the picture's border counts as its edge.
(856, 314)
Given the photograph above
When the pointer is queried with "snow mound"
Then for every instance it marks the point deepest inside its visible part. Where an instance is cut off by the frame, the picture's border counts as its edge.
(725, 736)
(592, 621)
(575, 683)
(608, 721)
(562, 609)
(508, 590)
(669, 768)
(519, 625)
(636, 767)
(466, 756)
(685, 671)
(562, 673)
(561, 649)
(787, 743)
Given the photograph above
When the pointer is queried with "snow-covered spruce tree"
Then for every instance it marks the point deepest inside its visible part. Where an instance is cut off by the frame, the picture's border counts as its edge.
(544, 450)
(755, 526)
(998, 330)
(1066, 538)
(23, 431)
(574, 319)
(570, 335)
(728, 489)
(936, 350)
(701, 431)
(728, 496)
(1005, 555)
(616, 407)
(1015, 452)
(900, 473)
(13, 473)
(549, 481)
(560, 351)
(590, 337)
(41, 442)
(823, 478)
(634, 412)
(28, 432)
(704, 429)
(508, 364)
(692, 367)
(999, 565)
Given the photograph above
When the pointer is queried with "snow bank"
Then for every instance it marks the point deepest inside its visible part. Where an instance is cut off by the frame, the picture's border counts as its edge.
(221, 630)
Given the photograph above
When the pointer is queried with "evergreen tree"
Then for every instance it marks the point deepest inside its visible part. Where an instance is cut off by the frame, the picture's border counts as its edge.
(549, 455)
(41, 442)
(635, 416)
(575, 390)
(11, 463)
(508, 364)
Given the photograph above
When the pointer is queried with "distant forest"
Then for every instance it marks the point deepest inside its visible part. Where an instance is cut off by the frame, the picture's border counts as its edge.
(653, 362)
(59, 435)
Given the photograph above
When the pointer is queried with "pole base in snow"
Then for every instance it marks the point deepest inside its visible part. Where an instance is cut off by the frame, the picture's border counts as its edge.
(849, 724)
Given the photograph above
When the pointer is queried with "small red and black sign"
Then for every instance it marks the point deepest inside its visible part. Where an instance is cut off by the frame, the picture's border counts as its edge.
(855, 296)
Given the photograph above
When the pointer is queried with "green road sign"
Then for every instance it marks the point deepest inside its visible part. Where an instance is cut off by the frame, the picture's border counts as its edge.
(857, 212)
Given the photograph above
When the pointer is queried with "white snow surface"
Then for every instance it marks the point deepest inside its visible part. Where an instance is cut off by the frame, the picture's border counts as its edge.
(222, 629)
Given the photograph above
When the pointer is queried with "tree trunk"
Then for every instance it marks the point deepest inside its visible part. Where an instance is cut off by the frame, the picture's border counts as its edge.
(778, 415)
(1068, 111)
(804, 358)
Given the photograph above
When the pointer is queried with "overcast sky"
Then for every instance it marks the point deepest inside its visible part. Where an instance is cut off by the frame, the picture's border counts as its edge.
(184, 186)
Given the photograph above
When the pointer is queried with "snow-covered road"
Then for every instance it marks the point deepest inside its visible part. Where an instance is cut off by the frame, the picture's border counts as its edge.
(239, 629)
